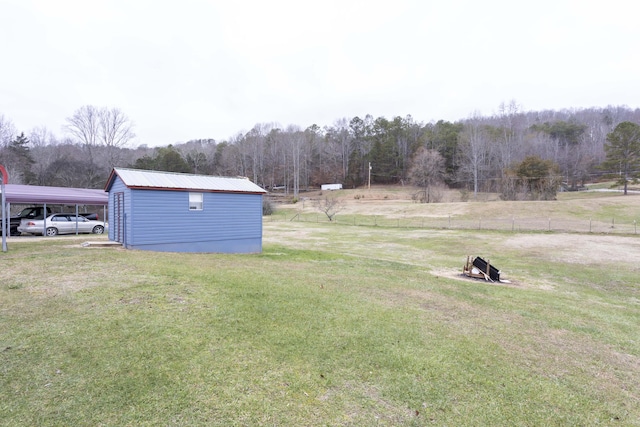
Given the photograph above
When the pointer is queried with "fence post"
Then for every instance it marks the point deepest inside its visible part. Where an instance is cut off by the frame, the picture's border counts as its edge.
(549, 224)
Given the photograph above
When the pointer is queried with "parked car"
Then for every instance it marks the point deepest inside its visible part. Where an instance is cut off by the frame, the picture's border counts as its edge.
(37, 212)
(61, 223)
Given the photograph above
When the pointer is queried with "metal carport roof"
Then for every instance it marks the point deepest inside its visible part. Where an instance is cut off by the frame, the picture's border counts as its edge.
(18, 193)
(28, 194)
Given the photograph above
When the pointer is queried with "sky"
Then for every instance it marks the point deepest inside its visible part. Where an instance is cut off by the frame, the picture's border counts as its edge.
(213, 69)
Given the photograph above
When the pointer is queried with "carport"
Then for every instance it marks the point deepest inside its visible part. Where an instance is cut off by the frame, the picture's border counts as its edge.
(41, 195)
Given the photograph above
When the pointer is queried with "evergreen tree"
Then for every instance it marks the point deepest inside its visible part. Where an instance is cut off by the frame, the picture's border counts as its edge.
(166, 159)
(539, 177)
(444, 137)
(623, 153)
(21, 159)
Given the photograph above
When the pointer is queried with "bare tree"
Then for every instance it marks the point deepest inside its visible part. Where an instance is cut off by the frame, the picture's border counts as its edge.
(44, 152)
(114, 132)
(110, 129)
(313, 142)
(7, 131)
(338, 149)
(84, 125)
(231, 157)
(295, 143)
(507, 143)
(282, 158)
(255, 148)
(329, 205)
(428, 171)
(474, 149)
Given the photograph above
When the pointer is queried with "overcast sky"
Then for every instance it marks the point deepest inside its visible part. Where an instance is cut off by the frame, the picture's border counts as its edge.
(190, 69)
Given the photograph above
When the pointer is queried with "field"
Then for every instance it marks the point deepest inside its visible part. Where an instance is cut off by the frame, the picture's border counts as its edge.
(332, 324)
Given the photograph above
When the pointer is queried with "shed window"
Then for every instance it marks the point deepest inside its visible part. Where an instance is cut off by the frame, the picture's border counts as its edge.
(195, 201)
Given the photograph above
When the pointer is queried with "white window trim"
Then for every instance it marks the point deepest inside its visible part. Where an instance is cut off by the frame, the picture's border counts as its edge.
(196, 201)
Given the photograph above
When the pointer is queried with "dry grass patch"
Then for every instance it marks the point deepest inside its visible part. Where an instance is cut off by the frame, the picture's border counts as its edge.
(575, 211)
(579, 248)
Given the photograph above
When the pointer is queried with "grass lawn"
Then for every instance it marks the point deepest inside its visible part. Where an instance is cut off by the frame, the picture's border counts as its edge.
(330, 325)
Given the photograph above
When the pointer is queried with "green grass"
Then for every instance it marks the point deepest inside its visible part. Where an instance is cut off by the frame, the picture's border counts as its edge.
(330, 325)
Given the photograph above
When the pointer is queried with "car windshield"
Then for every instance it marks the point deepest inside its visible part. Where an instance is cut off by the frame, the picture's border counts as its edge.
(27, 213)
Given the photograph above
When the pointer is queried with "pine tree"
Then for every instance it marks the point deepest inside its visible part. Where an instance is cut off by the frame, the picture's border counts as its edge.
(623, 153)
(21, 159)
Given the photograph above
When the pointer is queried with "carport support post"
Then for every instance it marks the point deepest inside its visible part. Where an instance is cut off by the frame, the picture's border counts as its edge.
(44, 219)
(4, 179)
(4, 219)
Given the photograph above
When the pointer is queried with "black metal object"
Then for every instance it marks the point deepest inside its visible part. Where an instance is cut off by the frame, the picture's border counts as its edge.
(493, 272)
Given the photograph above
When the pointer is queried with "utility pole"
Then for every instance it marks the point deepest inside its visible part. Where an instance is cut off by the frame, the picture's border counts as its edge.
(369, 185)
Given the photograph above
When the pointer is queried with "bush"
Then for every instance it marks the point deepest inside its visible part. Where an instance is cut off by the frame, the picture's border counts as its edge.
(432, 194)
(531, 179)
(267, 207)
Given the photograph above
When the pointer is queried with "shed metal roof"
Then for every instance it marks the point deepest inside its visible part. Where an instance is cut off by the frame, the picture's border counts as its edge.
(134, 178)
(27, 194)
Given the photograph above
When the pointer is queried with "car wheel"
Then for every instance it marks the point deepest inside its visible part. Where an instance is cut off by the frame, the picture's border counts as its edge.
(52, 231)
(98, 229)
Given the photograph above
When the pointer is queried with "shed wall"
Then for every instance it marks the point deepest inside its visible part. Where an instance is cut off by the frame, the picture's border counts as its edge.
(161, 220)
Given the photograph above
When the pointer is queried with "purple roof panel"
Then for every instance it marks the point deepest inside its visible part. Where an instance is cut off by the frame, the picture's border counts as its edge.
(28, 194)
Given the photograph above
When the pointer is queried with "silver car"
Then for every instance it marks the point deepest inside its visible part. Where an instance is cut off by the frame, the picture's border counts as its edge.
(61, 223)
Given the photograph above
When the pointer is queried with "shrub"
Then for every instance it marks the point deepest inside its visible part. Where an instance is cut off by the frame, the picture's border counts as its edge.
(267, 206)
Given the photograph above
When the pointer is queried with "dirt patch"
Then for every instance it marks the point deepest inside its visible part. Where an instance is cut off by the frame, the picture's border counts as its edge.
(457, 274)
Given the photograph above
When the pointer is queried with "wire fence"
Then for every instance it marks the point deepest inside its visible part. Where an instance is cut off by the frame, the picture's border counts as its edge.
(514, 224)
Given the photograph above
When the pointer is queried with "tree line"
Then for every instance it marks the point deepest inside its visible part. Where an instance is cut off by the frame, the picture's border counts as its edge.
(517, 153)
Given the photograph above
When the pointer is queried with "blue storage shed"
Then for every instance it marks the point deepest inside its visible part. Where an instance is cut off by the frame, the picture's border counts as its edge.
(176, 212)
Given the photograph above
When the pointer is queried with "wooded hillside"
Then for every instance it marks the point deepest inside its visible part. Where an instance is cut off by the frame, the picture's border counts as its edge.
(478, 153)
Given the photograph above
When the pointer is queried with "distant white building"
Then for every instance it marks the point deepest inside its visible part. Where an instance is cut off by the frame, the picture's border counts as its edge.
(331, 187)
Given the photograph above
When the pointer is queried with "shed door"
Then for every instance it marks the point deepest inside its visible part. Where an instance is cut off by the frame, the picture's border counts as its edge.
(118, 204)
